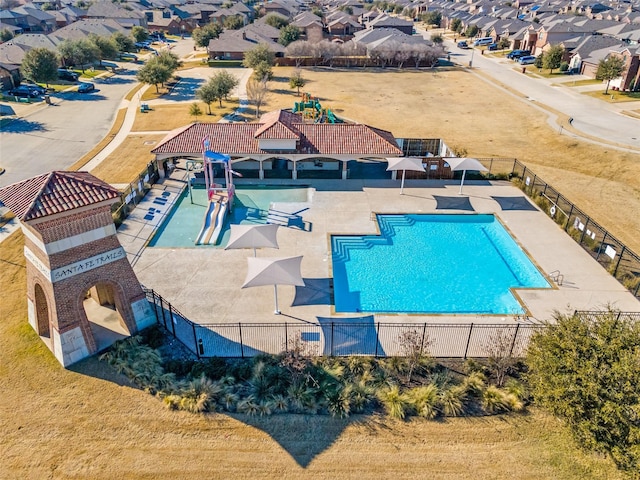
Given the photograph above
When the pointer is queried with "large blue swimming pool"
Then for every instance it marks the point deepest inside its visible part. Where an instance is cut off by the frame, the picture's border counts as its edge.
(436, 264)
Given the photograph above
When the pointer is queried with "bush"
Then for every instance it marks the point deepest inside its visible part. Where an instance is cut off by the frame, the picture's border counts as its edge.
(564, 67)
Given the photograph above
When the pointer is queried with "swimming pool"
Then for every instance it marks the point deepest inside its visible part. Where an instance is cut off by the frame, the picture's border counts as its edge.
(250, 205)
(434, 264)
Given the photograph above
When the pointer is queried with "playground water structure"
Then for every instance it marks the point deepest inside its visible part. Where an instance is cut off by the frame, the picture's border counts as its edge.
(220, 197)
(310, 108)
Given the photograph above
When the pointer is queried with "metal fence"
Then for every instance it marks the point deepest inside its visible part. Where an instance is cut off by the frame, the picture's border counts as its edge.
(134, 192)
(607, 250)
(342, 338)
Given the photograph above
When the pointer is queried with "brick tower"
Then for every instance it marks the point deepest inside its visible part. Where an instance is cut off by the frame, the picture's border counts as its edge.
(74, 257)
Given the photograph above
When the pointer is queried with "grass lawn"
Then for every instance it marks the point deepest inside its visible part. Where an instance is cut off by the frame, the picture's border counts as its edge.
(580, 83)
(128, 159)
(88, 422)
(615, 97)
(170, 116)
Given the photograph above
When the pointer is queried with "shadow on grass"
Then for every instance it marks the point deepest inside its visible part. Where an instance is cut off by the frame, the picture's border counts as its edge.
(20, 125)
(304, 437)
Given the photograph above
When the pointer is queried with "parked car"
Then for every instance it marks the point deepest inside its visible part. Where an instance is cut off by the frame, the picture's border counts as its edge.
(141, 45)
(516, 54)
(463, 44)
(35, 87)
(64, 74)
(24, 91)
(493, 46)
(86, 87)
(527, 60)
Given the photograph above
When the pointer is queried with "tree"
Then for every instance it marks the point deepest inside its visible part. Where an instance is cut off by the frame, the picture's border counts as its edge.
(106, 46)
(539, 61)
(608, 69)
(79, 52)
(263, 70)
(257, 92)
(233, 22)
(328, 51)
(553, 57)
(296, 80)
(124, 43)
(139, 33)
(222, 83)
(456, 25)
(472, 31)
(194, 110)
(298, 50)
(437, 39)
(5, 35)
(207, 94)
(202, 35)
(317, 11)
(276, 20)
(168, 59)
(154, 73)
(585, 370)
(403, 53)
(288, 34)
(259, 53)
(432, 18)
(40, 65)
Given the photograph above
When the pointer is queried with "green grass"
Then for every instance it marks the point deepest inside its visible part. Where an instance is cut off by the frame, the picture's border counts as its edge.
(580, 83)
(615, 97)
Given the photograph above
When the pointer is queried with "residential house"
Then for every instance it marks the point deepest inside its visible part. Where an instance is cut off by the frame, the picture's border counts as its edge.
(630, 78)
(103, 9)
(310, 25)
(167, 22)
(386, 21)
(9, 75)
(232, 44)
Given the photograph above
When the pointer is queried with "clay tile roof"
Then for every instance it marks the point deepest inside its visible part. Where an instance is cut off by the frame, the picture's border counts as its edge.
(240, 139)
(55, 192)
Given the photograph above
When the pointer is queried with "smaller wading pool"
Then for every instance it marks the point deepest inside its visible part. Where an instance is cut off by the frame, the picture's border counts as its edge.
(250, 205)
(432, 264)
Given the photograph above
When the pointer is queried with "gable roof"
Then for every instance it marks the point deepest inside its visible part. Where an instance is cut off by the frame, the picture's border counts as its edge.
(242, 139)
(55, 192)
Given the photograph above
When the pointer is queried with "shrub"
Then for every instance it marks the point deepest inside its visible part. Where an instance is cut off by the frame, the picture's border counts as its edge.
(474, 384)
(493, 400)
(452, 401)
(425, 400)
(395, 403)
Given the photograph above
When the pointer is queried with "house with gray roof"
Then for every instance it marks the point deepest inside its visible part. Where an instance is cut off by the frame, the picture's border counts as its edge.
(107, 9)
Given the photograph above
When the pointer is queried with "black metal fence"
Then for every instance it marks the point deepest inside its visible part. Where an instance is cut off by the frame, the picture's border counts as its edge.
(342, 338)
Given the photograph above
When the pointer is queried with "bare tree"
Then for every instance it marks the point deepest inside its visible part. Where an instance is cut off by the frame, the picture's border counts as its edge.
(403, 54)
(328, 51)
(257, 92)
(500, 353)
(414, 345)
(298, 50)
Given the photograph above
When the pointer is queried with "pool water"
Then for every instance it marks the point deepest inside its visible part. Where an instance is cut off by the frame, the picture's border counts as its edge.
(433, 264)
(250, 205)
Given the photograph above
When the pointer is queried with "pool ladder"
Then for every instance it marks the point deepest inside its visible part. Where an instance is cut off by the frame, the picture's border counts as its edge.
(557, 277)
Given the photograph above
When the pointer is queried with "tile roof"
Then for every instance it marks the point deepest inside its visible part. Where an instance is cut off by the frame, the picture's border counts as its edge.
(239, 139)
(55, 192)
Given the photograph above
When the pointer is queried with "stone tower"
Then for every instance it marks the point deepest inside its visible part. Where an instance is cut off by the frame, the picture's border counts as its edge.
(75, 264)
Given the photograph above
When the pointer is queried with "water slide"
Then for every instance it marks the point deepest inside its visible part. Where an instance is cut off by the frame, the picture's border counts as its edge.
(213, 220)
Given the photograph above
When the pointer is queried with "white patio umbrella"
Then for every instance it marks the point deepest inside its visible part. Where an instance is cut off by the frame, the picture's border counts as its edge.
(253, 236)
(404, 164)
(273, 271)
(464, 164)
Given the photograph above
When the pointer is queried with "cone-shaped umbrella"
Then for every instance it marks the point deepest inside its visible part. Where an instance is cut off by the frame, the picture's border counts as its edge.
(274, 271)
(253, 236)
(404, 164)
(464, 164)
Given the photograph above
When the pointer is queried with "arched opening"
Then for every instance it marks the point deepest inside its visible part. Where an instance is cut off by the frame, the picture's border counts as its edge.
(101, 306)
(278, 168)
(42, 312)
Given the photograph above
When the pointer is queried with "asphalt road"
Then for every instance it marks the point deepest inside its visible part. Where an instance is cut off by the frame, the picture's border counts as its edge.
(594, 117)
(54, 137)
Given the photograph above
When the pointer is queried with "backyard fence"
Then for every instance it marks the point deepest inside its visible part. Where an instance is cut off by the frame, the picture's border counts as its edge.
(336, 337)
(134, 192)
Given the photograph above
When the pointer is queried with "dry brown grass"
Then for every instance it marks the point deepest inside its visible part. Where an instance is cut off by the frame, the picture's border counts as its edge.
(89, 423)
(170, 116)
(489, 122)
(128, 159)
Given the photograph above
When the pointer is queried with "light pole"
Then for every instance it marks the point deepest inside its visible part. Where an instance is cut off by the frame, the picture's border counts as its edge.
(473, 50)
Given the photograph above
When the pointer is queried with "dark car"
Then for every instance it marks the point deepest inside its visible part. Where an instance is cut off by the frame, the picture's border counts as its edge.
(35, 88)
(86, 87)
(68, 75)
(493, 46)
(516, 54)
(24, 91)
(463, 44)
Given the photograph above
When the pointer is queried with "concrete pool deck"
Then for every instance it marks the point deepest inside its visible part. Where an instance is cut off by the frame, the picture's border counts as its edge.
(205, 283)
